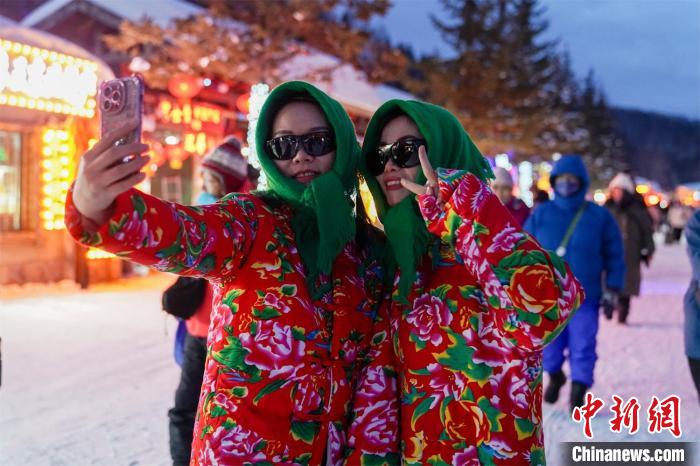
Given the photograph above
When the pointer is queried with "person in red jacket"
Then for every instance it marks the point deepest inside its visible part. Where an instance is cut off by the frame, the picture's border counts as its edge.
(296, 283)
(502, 187)
(475, 301)
(224, 170)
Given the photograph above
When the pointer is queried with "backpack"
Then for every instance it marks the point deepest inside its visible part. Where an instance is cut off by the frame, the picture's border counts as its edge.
(184, 297)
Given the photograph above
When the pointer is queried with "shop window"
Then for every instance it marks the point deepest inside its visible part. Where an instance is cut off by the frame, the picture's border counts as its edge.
(10, 180)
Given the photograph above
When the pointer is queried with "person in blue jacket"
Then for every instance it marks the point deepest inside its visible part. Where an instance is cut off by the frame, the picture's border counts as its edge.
(691, 304)
(588, 238)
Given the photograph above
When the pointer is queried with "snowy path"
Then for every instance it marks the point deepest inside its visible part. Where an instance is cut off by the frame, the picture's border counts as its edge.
(88, 377)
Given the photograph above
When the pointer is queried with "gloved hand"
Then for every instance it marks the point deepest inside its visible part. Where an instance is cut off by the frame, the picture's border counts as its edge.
(609, 302)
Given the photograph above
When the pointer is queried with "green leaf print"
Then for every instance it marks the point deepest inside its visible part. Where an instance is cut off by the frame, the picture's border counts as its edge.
(479, 229)
(303, 460)
(239, 392)
(537, 457)
(524, 427)
(267, 389)
(298, 333)
(289, 290)
(139, 205)
(217, 411)
(390, 459)
(422, 408)
(305, 430)
(552, 314)
(413, 395)
(232, 355)
(437, 461)
(493, 414)
(267, 313)
(230, 297)
(441, 291)
(529, 317)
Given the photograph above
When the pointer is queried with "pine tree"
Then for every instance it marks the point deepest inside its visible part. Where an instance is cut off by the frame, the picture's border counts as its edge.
(603, 150)
(502, 80)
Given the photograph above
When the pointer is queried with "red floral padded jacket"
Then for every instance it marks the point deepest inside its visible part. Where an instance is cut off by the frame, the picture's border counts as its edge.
(281, 367)
(463, 361)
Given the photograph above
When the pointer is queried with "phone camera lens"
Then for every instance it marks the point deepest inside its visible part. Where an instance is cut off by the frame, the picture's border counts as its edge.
(106, 105)
(117, 96)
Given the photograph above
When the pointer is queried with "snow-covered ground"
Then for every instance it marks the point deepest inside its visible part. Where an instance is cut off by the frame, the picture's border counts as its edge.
(88, 376)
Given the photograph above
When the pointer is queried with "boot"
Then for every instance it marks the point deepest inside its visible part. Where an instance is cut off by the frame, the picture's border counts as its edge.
(556, 380)
(608, 312)
(578, 395)
(624, 310)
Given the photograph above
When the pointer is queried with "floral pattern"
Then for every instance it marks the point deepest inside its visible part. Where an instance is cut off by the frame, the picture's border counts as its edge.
(281, 367)
(467, 351)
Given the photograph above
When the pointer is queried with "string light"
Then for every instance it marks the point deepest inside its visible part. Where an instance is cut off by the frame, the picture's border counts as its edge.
(39, 79)
(58, 151)
(258, 95)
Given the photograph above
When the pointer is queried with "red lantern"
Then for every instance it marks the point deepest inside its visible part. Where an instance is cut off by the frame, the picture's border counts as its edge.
(243, 103)
(184, 86)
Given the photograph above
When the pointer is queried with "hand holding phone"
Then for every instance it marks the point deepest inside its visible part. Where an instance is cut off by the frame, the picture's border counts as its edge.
(121, 103)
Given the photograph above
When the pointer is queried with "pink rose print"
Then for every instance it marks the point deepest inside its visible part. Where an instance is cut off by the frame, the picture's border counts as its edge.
(446, 382)
(469, 196)
(466, 457)
(337, 442)
(273, 348)
(275, 302)
(427, 316)
(375, 383)
(489, 346)
(513, 393)
(505, 240)
(135, 231)
(234, 446)
(379, 423)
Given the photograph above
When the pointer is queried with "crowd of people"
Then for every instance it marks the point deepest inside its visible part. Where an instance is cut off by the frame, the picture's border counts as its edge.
(322, 339)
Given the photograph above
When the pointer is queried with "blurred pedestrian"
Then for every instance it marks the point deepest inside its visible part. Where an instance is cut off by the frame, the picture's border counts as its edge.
(224, 170)
(539, 197)
(502, 186)
(677, 217)
(637, 236)
(691, 301)
(587, 236)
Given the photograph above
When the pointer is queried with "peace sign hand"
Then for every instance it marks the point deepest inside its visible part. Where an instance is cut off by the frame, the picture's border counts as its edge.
(431, 186)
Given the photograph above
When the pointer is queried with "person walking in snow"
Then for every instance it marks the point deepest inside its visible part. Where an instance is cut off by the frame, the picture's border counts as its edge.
(637, 237)
(691, 301)
(296, 283)
(587, 236)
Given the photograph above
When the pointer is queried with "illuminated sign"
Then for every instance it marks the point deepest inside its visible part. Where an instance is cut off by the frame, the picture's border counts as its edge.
(40, 79)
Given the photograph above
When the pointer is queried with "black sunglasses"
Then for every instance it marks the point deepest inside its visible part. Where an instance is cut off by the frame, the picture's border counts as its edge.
(286, 147)
(404, 153)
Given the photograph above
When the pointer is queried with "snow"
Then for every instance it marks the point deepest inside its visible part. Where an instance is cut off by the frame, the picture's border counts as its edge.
(89, 375)
(162, 12)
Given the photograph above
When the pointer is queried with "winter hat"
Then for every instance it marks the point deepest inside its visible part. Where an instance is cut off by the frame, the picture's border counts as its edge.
(324, 220)
(228, 164)
(448, 146)
(503, 177)
(622, 181)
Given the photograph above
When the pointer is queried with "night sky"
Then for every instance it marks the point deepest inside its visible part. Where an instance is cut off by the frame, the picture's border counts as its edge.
(644, 53)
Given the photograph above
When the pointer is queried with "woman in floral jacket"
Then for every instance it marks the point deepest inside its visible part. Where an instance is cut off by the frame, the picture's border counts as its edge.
(295, 293)
(475, 303)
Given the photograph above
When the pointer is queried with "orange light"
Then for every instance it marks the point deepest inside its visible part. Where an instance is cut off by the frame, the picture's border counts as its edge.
(653, 199)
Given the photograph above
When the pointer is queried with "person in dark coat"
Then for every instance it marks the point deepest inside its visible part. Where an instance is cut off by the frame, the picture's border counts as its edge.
(637, 231)
(691, 303)
(593, 250)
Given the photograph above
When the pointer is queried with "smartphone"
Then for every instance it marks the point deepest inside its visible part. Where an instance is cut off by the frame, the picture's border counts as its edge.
(121, 102)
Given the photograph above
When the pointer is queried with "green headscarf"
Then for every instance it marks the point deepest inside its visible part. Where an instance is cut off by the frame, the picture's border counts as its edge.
(449, 146)
(324, 221)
